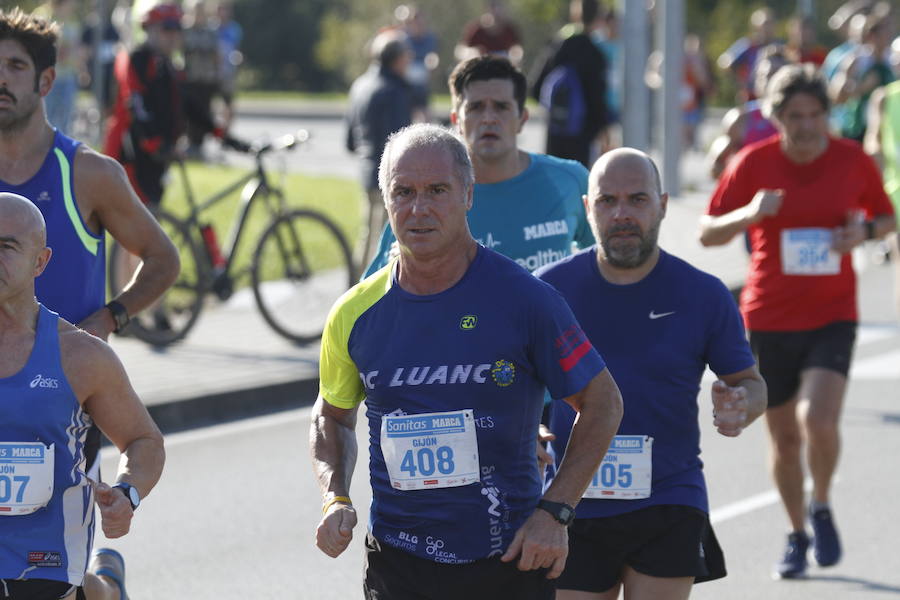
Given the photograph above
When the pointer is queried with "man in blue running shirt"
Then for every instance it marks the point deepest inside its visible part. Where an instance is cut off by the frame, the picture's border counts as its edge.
(527, 205)
(81, 194)
(451, 346)
(643, 521)
(55, 381)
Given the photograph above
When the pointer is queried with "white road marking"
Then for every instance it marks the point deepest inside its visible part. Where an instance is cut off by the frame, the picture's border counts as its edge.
(741, 507)
(755, 502)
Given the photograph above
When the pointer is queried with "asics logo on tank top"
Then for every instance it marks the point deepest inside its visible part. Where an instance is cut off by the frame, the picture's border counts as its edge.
(43, 197)
(40, 381)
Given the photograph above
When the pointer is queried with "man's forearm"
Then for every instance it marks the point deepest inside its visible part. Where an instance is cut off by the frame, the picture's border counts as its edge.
(717, 231)
(141, 463)
(153, 277)
(333, 449)
(595, 426)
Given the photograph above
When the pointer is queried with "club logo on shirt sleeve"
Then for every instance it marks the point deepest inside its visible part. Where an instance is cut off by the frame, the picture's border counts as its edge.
(468, 322)
(503, 372)
(572, 345)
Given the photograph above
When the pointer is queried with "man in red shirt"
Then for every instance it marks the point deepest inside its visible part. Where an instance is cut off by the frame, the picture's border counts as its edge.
(806, 200)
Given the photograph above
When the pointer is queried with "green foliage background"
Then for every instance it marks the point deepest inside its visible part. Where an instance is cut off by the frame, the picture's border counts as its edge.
(321, 45)
(331, 50)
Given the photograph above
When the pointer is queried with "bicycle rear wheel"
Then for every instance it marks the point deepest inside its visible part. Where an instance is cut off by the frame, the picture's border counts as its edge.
(302, 264)
(175, 313)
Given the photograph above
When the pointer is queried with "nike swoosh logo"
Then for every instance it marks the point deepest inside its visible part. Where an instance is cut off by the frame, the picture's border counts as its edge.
(654, 315)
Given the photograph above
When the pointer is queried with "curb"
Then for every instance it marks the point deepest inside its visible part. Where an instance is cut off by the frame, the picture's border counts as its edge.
(222, 407)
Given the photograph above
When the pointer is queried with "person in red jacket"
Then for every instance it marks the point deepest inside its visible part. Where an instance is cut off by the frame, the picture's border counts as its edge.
(147, 116)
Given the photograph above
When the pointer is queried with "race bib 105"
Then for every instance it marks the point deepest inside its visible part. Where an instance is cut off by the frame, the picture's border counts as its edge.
(626, 471)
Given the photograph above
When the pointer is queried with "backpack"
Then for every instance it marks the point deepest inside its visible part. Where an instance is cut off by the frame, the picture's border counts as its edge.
(563, 97)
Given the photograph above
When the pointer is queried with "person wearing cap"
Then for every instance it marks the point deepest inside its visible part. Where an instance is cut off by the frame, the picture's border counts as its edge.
(147, 116)
(381, 102)
(81, 193)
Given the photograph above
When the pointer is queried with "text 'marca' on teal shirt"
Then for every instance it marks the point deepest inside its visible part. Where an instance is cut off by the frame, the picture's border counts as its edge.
(533, 218)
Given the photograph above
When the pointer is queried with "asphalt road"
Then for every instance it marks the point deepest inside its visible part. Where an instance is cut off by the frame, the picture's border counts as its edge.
(235, 512)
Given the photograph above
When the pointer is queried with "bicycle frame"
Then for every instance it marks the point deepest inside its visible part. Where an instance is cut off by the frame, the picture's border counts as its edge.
(252, 186)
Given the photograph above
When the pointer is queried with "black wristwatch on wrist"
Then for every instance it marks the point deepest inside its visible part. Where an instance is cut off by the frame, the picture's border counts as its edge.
(560, 511)
(119, 315)
(131, 493)
(870, 229)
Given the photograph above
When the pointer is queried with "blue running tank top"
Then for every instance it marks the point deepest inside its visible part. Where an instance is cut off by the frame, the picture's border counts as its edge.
(39, 411)
(73, 284)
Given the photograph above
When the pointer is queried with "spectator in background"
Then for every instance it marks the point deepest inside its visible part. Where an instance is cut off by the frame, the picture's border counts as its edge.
(491, 33)
(230, 35)
(60, 102)
(103, 50)
(840, 23)
(202, 78)
(606, 38)
(380, 103)
(699, 87)
(740, 57)
(147, 118)
(746, 124)
(424, 45)
(571, 84)
(696, 85)
(865, 70)
(802, 46)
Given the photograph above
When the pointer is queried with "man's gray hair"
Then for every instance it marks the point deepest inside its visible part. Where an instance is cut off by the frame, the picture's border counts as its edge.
(423, 135)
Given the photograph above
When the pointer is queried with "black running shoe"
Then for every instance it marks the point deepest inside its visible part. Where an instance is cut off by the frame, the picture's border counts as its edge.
(826, 542)
(793, 565)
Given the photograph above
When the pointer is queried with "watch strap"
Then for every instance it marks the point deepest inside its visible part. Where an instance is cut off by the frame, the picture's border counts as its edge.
(560, 511)
(130, 492)
(119, 314)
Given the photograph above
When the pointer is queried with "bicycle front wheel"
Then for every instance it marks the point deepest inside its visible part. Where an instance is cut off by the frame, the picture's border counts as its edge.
(302, 264)
(171, 317)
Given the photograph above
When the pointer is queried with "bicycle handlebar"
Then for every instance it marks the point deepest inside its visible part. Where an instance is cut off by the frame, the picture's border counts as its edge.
(286, 142)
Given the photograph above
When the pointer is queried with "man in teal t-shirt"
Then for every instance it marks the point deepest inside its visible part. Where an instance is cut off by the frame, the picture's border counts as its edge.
(527, 206)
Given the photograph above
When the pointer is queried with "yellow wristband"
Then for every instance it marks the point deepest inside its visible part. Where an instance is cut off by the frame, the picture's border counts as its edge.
(334, 500)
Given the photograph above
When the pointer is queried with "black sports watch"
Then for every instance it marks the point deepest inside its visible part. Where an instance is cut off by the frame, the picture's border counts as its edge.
(560, 511)
(119, 315)
(134, 497)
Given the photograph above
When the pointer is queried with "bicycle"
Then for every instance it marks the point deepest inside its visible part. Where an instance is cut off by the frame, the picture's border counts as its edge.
(299, 267)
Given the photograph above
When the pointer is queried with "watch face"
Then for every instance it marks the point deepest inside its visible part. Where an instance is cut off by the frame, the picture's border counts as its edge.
(131, 493)
(134, 497)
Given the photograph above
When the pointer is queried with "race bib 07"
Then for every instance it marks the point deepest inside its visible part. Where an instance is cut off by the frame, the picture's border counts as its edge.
(626, 471)
(26, 477)
(430, 450)
(808, 252)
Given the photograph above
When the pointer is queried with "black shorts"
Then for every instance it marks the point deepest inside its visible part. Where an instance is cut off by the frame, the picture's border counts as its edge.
(783, 355)
(38, 589)
(660, 541)
(392, 574)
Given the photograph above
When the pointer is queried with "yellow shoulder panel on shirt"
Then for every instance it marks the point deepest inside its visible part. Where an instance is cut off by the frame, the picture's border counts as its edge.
(339, 382)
